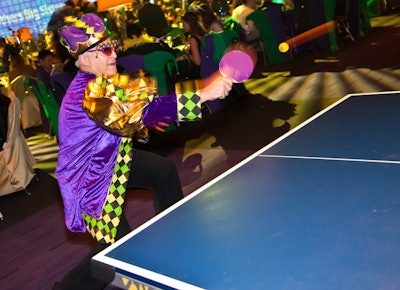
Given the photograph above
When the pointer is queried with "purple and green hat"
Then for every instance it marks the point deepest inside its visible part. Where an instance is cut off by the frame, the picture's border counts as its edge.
(83, 34)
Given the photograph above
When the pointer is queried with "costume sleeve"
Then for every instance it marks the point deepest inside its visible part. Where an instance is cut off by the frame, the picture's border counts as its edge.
(188, 100)
(183, 105)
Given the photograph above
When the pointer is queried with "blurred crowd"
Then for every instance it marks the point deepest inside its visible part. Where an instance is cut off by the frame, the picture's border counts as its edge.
(182, 26)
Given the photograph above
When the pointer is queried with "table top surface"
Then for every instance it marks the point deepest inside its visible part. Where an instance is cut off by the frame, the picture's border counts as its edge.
(319, 208)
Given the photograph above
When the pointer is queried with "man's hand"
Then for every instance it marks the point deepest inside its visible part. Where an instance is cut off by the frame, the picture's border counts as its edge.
(215, 87)
(161, 125)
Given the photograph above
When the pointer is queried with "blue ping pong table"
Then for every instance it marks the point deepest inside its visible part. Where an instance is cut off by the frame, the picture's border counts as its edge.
(319, 208)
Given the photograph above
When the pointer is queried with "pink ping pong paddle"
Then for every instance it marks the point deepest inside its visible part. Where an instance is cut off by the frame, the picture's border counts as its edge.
(237, 65)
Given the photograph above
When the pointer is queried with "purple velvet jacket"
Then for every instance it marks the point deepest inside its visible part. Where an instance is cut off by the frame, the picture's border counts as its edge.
(87, 154)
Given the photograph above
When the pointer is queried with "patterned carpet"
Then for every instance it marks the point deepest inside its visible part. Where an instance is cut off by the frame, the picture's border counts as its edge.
(45, 151)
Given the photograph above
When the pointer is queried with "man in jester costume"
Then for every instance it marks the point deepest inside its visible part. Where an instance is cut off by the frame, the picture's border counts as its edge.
(101, 112)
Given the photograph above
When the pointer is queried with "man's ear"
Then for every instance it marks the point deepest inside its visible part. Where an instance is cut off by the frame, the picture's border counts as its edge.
(83, 59)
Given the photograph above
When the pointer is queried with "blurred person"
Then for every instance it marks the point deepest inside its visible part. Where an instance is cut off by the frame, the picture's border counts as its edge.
(267, 24)
(195, 31)
(135, 36)
(152, 55)
(18, 67)
(242, 11)
(44, 66)
(62, 54)
(152, 18)
(45, 62)
(252, 31)
(139, 42)
(4, 105)
(59, 16)
(61, 78)
(207, 16)
(7, 49)
(198, 21)
(90, 152)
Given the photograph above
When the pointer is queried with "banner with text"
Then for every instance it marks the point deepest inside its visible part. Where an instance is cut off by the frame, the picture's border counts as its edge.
(32, 14)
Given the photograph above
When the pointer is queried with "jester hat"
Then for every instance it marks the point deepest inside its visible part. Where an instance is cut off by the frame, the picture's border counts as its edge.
(83, 34)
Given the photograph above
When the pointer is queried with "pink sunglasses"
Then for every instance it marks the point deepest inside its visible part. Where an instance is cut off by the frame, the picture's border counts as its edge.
(107, 48)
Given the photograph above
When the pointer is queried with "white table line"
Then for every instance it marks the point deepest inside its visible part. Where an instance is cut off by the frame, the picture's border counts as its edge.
(330, 158)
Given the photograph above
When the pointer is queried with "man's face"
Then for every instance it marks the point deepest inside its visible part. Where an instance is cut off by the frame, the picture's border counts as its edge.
(47, 62)
(101, 60)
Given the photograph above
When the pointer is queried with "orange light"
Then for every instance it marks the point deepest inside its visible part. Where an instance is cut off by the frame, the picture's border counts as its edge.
(11, 40)
(307, 36)
(25, 34)
(103, 5)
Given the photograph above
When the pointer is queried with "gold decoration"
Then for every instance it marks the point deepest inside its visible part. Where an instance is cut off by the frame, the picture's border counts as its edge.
(116, 102)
